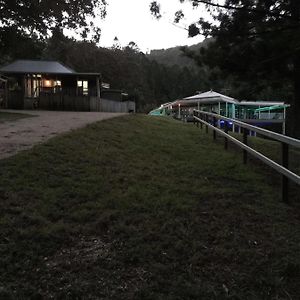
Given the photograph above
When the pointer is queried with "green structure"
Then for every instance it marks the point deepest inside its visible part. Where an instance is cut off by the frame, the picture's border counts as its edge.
(163, 110)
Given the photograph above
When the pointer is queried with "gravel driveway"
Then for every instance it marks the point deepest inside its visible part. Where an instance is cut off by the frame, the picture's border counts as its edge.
(24, 133)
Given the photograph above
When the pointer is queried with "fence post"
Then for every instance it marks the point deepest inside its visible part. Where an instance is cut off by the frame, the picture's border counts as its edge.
(214, 124)
(285, 181)
(225, 139)
(194, 118)
(200, 116)
(245, 133)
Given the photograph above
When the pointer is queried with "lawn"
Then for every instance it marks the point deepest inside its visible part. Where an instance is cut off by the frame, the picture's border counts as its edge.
(8, 116)
(141, 207)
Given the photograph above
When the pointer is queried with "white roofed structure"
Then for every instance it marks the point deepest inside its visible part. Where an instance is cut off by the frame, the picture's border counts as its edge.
(210, 97)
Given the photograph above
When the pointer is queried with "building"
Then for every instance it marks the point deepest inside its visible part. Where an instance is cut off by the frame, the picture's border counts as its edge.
(268, 114)
(51, 85)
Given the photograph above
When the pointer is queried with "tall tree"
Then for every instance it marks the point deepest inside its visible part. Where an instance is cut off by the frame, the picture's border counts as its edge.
(26, 24)
(38, 16)
(256, 41)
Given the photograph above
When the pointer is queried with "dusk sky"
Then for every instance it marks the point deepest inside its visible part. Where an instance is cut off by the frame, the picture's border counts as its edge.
(131, 20)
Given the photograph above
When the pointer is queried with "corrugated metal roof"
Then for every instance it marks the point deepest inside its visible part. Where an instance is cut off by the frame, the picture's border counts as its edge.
(36, 67)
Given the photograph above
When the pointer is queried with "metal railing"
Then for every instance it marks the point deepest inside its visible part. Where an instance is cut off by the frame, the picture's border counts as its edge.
(210, 120)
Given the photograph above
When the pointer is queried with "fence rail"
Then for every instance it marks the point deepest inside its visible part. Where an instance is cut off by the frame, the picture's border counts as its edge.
(210, 120)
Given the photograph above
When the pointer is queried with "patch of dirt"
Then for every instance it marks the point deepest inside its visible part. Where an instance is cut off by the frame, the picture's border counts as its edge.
(22, 134)
(84, 270)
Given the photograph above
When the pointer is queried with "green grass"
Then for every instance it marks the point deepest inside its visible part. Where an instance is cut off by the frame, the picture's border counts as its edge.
(7, 116)
(143, 208)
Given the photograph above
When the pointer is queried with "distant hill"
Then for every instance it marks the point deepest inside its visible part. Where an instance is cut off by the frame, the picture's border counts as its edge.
(174, 56)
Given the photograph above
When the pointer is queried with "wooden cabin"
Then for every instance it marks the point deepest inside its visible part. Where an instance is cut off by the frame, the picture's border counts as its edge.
(32, 83)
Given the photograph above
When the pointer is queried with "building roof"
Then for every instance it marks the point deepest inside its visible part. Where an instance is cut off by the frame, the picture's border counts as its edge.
(263, 103)
(211, 97)
(36, 67)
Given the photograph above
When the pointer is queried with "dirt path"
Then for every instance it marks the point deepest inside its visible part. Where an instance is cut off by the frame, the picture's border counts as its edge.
(24, 133)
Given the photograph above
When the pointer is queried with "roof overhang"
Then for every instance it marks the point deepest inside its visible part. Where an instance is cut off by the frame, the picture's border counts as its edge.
(210, 97)
(263, 103)
(9, 73)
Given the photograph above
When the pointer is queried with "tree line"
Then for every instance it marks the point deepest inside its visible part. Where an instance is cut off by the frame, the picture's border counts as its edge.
(147, 82)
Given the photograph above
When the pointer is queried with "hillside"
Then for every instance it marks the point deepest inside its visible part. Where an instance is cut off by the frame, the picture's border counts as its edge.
(144, 208)
(175, 56)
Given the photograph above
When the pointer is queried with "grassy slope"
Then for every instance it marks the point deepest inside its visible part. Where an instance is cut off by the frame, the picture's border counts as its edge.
(143, 208)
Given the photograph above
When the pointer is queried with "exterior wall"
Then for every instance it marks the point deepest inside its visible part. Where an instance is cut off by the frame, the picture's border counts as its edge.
(83, 103)
(106, 105)
(64, 102)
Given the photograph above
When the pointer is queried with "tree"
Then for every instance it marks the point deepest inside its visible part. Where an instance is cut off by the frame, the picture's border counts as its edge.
(14, 45)
(27, 24)
(256, 43)
(40, 16)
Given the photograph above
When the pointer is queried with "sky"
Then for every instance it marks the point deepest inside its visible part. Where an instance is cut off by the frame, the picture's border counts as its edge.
(130, 20)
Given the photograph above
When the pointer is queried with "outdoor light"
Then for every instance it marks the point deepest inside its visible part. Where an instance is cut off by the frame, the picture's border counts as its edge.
(47, 83)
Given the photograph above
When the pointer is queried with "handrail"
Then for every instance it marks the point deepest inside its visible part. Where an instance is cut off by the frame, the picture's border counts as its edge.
(285, 141)
(273, 135)
(284, 171)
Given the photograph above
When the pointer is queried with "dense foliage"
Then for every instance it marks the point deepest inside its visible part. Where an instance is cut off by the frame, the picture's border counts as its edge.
(37, 17)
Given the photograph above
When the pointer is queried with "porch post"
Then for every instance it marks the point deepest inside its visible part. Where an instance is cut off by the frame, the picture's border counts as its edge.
(76, 85)
(98, 87)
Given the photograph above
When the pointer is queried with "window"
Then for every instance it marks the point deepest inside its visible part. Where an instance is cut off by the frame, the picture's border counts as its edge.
(83, 86)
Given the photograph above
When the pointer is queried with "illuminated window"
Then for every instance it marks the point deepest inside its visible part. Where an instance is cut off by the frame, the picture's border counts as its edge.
(84, 86)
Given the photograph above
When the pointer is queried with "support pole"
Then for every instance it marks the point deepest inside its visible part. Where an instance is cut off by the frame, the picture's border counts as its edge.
(246, 143)
(200, 117)
(283, 124)
(285, 181)
(194, 120)
(219, 112)
(214, 124)
(98, 86)
(233, 117)
(225, 139)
